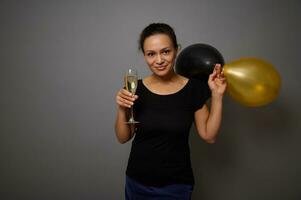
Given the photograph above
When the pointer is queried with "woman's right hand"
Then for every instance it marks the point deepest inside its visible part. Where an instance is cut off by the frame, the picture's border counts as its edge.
(125, 99)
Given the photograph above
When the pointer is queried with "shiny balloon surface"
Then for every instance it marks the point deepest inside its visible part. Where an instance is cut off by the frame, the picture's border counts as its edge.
(252, 81)
(198, 61)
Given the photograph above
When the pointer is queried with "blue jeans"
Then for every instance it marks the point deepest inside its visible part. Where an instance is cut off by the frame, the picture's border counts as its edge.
(137, 191)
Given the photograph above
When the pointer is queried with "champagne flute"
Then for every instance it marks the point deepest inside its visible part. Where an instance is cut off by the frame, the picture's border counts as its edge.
(131, 82)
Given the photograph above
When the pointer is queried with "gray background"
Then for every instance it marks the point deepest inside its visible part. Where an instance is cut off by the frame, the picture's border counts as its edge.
(62, 62)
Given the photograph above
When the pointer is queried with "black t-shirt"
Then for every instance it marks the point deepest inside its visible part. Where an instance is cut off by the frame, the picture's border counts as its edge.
(160, 153)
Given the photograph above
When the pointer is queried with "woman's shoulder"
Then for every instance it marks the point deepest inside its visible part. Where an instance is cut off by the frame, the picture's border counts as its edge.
(200, 87)
(146, 79)
(198, 82)
(193, 81)
(184, 80)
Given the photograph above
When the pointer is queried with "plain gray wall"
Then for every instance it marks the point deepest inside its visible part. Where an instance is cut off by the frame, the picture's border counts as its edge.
(62, 62)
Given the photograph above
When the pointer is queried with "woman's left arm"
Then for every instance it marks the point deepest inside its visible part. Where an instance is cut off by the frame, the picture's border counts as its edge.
(208, 123)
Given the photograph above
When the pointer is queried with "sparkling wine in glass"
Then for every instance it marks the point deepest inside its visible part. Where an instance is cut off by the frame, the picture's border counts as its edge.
(131, 83)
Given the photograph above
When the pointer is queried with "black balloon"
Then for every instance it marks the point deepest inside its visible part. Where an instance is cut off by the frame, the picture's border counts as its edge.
(198, 61)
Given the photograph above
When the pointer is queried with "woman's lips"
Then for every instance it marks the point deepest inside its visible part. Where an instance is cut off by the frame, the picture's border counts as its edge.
(160, 68)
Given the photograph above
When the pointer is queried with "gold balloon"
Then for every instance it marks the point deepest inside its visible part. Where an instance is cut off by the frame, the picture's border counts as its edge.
(251, 81)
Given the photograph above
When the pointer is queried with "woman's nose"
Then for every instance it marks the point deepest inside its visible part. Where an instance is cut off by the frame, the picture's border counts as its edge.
(159, 59)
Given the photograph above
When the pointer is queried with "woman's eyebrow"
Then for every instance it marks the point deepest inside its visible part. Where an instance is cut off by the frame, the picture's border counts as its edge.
(149, 50)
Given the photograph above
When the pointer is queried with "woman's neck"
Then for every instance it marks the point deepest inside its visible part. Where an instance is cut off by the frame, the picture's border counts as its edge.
(171, 77)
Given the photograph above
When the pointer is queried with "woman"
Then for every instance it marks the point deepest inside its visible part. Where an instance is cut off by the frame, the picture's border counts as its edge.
(166, 104)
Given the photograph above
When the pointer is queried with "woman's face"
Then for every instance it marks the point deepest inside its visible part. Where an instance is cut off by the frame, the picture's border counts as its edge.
(159, 54)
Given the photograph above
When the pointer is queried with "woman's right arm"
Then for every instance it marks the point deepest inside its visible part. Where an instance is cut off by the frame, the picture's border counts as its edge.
(124, 100)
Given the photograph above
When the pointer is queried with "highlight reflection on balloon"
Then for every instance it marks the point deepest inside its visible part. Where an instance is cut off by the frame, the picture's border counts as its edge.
(252, 82)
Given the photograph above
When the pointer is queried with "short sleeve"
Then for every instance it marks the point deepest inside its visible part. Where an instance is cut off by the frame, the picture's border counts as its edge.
(201, 93)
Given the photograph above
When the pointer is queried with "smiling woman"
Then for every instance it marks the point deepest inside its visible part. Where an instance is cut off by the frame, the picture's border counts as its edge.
(159, 54)
(159, 165)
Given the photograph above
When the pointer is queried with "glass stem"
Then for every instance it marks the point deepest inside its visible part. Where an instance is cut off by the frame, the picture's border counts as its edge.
(132, 113)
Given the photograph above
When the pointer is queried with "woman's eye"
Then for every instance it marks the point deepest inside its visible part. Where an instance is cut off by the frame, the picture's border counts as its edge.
(166, 52)
(150, 54)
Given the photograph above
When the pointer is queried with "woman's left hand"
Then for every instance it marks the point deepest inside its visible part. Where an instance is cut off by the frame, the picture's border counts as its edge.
(217, 81)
